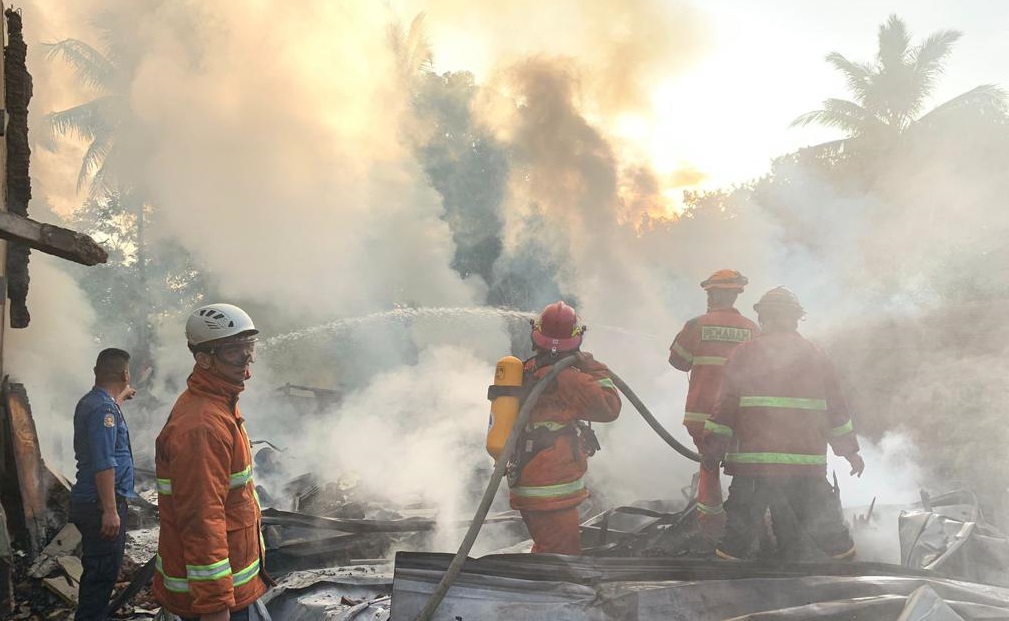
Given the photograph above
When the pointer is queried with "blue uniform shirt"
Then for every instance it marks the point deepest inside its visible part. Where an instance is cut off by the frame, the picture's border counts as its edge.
(101, 441)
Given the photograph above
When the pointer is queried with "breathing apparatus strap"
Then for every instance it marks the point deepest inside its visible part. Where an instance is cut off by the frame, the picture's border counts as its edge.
(534, 439)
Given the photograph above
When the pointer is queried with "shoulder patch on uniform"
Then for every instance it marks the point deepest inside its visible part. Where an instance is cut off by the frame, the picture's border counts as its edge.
(109, 420)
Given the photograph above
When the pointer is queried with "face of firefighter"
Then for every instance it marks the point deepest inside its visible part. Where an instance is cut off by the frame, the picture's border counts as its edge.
(230, 359)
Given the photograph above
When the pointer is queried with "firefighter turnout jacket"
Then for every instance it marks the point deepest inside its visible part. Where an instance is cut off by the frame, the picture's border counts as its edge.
(779, 406)
(702, 347)
(552, 479)
(210, 553)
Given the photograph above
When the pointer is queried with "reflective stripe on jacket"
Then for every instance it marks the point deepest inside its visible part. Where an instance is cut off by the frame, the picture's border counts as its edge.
(552, 480)
(780, 404)
(210, 551)
(702, 347)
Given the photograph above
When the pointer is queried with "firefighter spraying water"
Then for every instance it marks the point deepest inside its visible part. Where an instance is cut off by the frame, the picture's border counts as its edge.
(545, 473)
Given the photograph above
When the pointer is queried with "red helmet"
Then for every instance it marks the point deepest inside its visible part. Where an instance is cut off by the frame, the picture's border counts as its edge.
(557, 328)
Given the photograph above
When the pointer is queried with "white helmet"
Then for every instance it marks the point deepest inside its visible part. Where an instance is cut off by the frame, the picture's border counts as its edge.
(217, 321)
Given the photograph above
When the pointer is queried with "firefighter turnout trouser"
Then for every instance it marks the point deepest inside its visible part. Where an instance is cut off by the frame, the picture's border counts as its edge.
(554, 532)
(806, 518)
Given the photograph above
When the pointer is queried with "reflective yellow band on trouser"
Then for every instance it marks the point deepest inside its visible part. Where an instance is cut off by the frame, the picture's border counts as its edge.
(236, 479)
(722, 430)
(790, 459)
(794, 403)
(709, 361)
(683, 353)
(695, 417)
(181, 585)
(549, 491)
(709, 510)
(834, 432)
(607, 383)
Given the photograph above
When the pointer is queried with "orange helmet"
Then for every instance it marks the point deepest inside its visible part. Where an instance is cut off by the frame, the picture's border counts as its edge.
(725, 279)
(557, 328)
(780, 300)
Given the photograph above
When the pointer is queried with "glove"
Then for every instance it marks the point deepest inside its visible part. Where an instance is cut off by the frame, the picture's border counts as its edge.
(857, 464)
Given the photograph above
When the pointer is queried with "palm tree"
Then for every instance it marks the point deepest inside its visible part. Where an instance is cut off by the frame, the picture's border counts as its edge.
(105, 123)
(99, 121)
(890, 93)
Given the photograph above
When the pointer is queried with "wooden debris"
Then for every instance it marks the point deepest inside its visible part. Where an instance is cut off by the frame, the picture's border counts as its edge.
(72, 567)
(63, 588)
(66, 542)
(28, 465)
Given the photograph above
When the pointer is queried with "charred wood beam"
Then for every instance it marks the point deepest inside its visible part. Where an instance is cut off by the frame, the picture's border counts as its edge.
(17, 95)
(52, 239)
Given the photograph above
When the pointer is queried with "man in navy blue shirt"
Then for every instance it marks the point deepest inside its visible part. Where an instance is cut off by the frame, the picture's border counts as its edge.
(104, 481)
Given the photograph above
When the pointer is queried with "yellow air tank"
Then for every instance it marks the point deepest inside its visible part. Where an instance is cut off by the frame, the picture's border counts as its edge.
(504, 407)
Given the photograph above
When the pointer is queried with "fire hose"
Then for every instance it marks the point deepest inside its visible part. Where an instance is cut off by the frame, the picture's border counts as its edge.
(455, 566)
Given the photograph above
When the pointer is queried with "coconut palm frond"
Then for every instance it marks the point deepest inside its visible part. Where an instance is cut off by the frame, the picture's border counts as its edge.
(94, 159)
(894, 40)
(928, 61)
(90, 66)
(826, 119)
(840, 114)
(419, 46)
(858, 75)
(411, 49)
(80, 122)
(986, 100)
(935, 48)
(86, 120)
(104, 182)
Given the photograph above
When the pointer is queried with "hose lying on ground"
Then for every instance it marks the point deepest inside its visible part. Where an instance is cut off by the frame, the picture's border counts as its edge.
(502, 462)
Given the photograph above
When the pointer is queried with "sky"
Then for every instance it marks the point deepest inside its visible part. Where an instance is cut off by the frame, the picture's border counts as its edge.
(728, 112)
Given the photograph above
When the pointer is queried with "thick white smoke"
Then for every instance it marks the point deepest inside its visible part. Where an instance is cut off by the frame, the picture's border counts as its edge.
(271, 140)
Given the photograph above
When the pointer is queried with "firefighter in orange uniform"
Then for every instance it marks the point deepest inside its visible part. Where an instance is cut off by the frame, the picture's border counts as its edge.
(705, 342)
(702, 347)
(210, 553)
(779, 406)
(551, 459)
